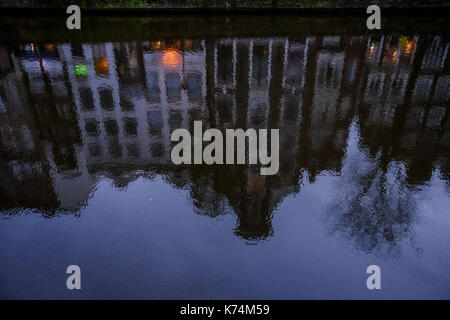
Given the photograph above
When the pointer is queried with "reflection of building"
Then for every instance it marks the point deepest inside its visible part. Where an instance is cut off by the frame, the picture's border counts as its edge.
(71, 112)
(126, 115)
(387, 70)
(47, 158)
(406, 101)
(327, 86)
(429, 111)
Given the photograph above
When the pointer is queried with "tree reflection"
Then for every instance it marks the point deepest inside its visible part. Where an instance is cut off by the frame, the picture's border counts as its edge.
(376, 208)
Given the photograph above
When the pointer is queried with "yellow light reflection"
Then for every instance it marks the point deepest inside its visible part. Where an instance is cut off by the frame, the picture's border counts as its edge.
(409, 46)
(372, 48)
(394, 55)
(155, 45)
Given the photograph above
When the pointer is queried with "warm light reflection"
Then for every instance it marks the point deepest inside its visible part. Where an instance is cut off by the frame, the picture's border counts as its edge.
(101, 66)
(155, 45)
(188, 44)
(171, 58)
(163, 45)
(49, 47)
(394, 55)
(372, 48)
(256, 185)
(409, 46)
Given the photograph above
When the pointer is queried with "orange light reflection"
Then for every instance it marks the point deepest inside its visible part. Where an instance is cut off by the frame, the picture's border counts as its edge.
(171, 58)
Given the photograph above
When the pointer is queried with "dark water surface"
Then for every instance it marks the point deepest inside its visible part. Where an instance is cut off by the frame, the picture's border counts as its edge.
(86, 175)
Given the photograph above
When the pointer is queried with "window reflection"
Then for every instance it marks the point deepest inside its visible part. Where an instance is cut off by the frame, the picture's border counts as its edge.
(173, 86)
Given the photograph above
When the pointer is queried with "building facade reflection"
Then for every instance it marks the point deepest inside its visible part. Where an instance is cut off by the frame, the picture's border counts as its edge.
(72, 113)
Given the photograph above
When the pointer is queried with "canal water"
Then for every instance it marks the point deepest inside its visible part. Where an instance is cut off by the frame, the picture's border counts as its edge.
(87, 179)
